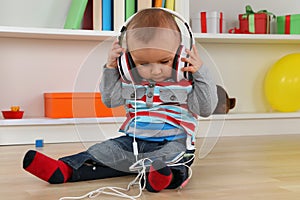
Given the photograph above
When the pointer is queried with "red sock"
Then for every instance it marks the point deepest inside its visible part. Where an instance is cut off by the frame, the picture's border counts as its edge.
(46, 168)
(160, 176)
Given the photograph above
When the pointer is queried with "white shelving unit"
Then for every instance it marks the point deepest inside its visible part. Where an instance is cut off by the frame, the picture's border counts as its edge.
(64, 55)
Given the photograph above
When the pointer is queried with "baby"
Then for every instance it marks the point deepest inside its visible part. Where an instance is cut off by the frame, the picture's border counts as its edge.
(161, 110)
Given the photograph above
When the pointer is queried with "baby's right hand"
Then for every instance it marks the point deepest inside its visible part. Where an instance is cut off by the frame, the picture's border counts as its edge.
(113, 55)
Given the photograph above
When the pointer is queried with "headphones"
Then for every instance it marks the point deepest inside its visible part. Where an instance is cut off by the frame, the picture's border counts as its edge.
(127, 67)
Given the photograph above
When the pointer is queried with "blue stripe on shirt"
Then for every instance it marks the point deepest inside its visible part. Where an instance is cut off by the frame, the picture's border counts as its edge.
(153, 126)
(159, 139)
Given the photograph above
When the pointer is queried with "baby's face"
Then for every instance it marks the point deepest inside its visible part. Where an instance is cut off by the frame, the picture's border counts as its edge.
(153, 64)
(154, 59)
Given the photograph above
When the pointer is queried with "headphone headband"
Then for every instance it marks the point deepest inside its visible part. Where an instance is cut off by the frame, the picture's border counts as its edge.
(177, 15)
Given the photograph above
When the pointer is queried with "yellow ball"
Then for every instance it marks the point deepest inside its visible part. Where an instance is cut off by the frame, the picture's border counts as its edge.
(282, 84)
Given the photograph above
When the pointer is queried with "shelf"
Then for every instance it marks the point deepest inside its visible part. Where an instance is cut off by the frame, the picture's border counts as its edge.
(91, 35)
(107, 120)
(57, 34)
(225, 38)
(250, 116)
(26, 131)
(61, 121)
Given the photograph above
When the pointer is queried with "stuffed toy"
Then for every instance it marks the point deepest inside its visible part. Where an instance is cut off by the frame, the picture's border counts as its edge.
(224, 102)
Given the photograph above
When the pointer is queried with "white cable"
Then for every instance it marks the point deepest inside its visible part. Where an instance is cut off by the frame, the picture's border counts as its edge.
(117, 191)
(120, 192)
(134, 143)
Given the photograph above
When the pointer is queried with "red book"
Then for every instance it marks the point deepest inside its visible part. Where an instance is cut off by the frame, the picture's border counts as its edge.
(87, 22)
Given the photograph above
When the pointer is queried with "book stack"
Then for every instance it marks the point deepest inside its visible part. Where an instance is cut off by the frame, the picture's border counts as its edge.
(110, 15)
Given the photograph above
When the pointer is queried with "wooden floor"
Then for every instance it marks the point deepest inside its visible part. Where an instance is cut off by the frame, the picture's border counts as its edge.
(238, 168)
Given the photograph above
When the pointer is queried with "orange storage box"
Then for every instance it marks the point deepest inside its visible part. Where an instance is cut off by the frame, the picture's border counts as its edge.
(78, 105)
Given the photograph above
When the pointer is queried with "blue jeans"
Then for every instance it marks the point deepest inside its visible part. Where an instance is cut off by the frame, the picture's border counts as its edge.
(113, 157)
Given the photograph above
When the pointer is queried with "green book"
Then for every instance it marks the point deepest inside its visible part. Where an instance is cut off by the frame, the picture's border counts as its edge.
(130, 8)
(75, 14)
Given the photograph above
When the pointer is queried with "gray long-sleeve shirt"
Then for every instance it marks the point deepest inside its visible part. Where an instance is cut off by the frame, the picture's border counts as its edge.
(201, 101)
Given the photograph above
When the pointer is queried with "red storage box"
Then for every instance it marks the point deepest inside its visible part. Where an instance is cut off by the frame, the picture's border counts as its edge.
(258, 23)
(78, 105)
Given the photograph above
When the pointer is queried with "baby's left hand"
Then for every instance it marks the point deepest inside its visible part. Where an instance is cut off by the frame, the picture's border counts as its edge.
(193, 60)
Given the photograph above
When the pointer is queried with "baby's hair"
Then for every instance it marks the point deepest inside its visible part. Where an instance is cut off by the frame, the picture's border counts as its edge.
(146, 23)
(153, 18)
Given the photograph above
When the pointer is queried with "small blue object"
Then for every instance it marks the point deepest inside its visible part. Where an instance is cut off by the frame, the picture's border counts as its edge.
(39, 143)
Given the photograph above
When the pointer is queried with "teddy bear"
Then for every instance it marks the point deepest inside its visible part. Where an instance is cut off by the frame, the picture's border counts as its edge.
(225, 103)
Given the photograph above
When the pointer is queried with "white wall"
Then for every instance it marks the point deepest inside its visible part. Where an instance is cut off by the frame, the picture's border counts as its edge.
(30, 67)
(243, 66)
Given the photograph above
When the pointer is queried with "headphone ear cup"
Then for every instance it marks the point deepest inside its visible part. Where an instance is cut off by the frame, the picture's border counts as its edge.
(134, 75)
(127, 68)
(178, 74)
(123, 68)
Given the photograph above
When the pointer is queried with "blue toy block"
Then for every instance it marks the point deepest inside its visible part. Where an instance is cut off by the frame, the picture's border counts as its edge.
(39, 143)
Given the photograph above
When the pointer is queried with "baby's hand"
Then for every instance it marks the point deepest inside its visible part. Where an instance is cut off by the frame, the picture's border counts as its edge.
(114, 53)
(193, 60)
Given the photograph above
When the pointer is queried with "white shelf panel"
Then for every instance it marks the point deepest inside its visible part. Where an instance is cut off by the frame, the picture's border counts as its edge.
(91, 35)
(108, 120)
(61, 121)
(52, 33)
(26, 131)
(250, 116)
(247, 38)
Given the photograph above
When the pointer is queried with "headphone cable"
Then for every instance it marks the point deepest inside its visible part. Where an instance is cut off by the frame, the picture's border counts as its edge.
(134, 143)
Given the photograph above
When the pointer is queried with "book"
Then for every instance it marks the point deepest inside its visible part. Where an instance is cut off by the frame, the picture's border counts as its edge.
(97, 15)
(160, 3)
(87, 23)
(119, 14)
(75, 14)
(130, 8)
(107, 15)
(142, 4)
(170, 4)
